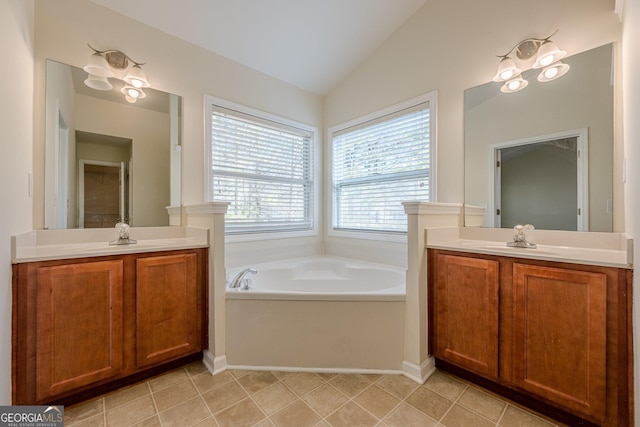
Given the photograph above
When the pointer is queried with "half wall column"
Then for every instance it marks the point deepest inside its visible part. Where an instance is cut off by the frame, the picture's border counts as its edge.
(211, 216)
(418, 363)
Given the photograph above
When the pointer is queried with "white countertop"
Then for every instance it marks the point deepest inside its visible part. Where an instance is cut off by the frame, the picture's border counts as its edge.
(45, 245)
(602, 249)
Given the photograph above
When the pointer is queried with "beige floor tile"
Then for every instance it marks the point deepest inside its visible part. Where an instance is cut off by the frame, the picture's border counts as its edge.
(82, 411)
(517, 417)
(326, 375)
(445, 385)
(350, 385)
(131, 413)
(302, 382)
(461, 416)
(298, 414)
(376, 401)
(398, 385)
(243, 413)
(224, 396)
(274, 398)
(149, 422)
(168, 379)
(186, 413)
(205, 381)
(175, 394)
(239, 373)
(125, 395)
(256, 381)
(352, 415)
(95, 421)
(265, 423)
(207, 422)
(482, 403)
(406, 415)
(429, 402)
(325, 399)
(281, 375)
(196, 368)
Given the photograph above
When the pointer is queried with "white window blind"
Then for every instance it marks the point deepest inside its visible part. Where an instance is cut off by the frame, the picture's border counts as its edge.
(379, 164)
(264, 170)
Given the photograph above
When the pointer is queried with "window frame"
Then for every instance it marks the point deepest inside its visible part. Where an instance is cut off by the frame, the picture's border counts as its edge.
(210, 101)
(431, 99)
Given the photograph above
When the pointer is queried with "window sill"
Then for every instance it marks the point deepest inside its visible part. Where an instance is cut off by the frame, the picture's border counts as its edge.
(369, 235)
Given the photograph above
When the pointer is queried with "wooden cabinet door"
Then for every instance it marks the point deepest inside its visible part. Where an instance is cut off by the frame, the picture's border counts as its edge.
(466, 312)
(168, 308)
(560, 336)
(79, 318)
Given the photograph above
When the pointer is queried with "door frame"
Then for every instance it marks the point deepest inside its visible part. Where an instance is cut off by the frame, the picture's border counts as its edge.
(582, 138)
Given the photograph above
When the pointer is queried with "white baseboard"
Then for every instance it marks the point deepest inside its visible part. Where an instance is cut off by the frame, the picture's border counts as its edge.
(316, 370)
(214, 364)
(420, 373)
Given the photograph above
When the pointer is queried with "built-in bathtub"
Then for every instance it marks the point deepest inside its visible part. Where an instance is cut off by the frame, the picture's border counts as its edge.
(319, 314)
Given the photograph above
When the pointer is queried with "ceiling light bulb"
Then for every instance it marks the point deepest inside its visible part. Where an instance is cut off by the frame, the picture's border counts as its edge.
(514, 85)
(550, 72)
(136, 77)
(548, 53)
(98, 66)
(133, 92)
(97, 82)
(130, 99)
(506, 70)
(553, 71)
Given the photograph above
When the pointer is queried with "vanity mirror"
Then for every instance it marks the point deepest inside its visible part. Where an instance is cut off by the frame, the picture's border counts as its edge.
(107, 160)
(544, 155)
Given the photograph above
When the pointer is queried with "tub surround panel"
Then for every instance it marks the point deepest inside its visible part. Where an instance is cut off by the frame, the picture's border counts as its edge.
(315, 335)
(41, 245)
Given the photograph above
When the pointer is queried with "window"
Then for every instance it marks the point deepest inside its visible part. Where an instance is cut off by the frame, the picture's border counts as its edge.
(263, 166)
(380, 161)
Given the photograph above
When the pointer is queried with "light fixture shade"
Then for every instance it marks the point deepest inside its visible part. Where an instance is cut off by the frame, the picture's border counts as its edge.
(514, 85)
(98, 66)
(507, 70)
(548, 53)
(553, 72)
(133, 92)
(130, 100)
(98, 83)
(136, 77)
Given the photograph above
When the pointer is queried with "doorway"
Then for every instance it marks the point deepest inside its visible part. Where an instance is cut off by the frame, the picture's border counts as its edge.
(103, 194)
(542, 181)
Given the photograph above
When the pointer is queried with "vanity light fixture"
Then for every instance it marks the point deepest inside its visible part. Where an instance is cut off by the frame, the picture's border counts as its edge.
(105, 64)
(547, 56)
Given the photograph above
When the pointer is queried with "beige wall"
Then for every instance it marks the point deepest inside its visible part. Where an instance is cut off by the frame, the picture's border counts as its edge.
(149, 132)
(16, 122)
(631, 71)
(63, 29)
(581, 99)
(450, 46)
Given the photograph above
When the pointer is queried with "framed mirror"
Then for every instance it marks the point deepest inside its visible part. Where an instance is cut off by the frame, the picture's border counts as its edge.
(544, 155)
(108, 160)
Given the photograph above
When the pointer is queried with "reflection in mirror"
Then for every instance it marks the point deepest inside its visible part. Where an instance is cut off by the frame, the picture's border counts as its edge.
(547, 182)
(107, 160)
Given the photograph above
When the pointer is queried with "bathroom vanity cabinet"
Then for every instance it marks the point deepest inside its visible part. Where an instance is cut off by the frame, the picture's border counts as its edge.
(81, 325)
(553, 336)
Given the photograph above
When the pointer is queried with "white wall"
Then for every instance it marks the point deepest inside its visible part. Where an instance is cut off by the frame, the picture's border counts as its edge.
(450, 46)
(16, 122)
(631, 71)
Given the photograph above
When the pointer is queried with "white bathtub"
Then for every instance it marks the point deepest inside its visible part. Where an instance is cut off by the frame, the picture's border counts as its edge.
(320, 314)
(322, 278)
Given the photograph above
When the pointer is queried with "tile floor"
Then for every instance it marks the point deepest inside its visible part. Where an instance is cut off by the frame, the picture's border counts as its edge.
(190, 396)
